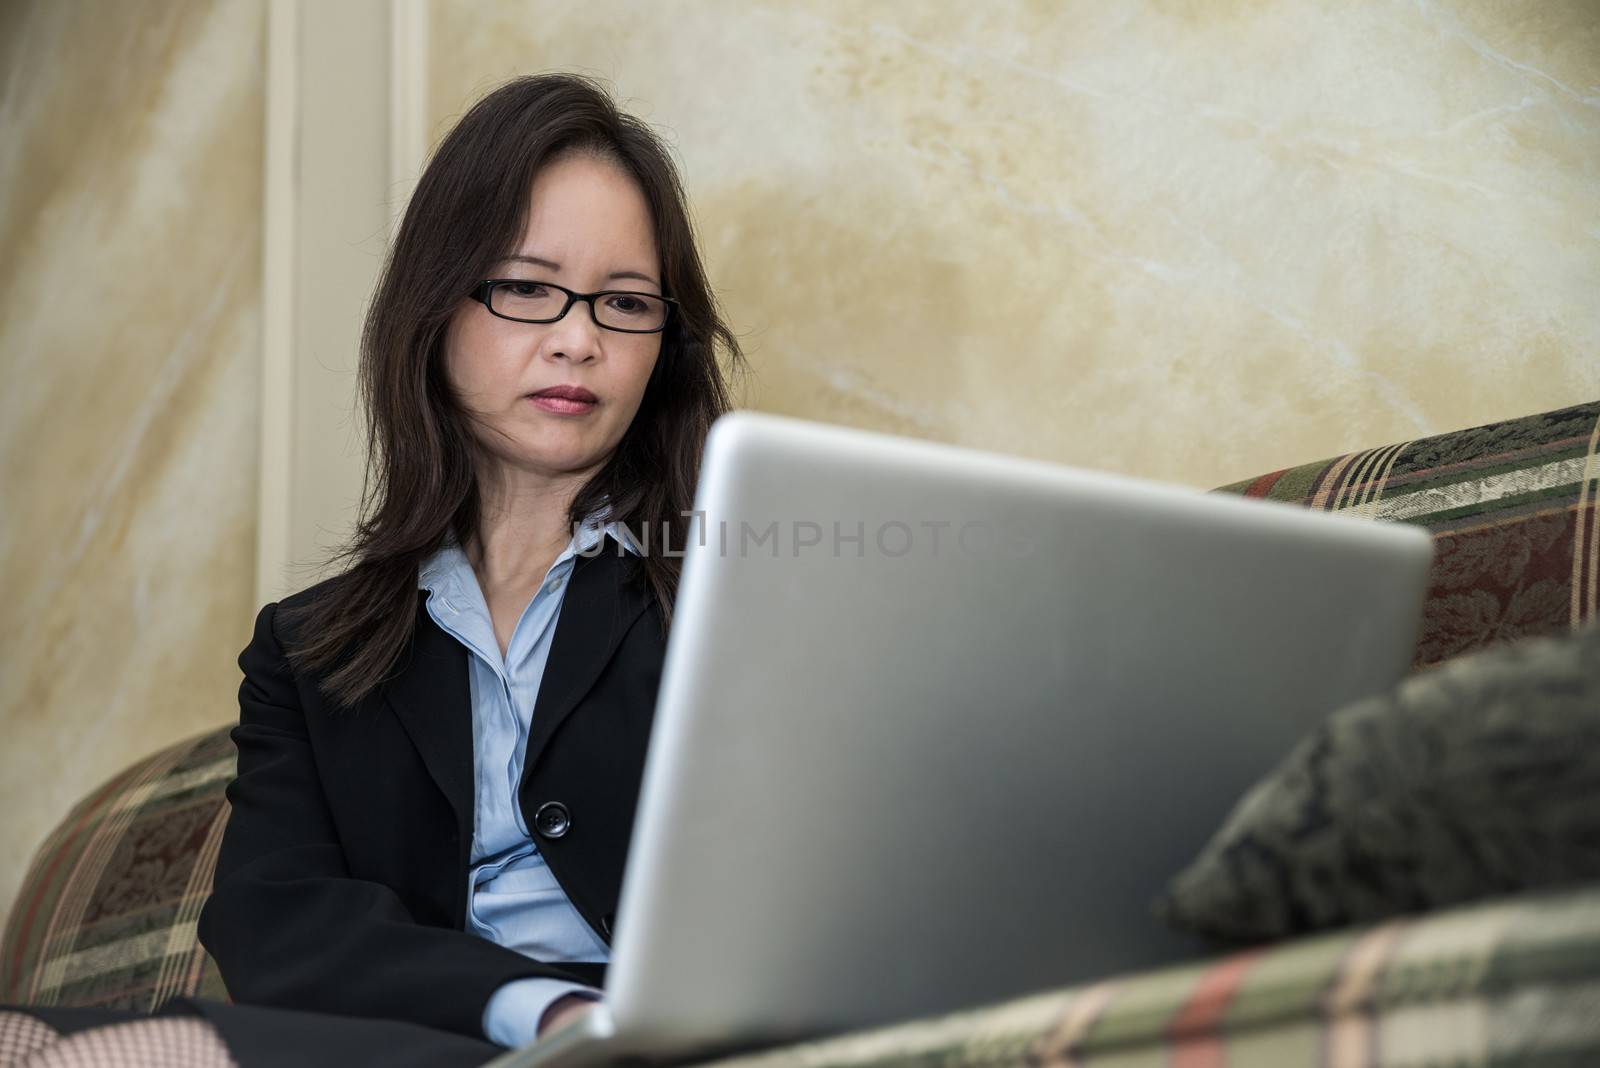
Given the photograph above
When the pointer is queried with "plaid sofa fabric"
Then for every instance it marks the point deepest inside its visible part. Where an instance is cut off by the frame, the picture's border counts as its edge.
(107, 912)
(1511, 982)
(1512, 509)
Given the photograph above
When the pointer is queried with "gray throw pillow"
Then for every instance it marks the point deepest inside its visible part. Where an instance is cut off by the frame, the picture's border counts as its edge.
(1478, 777)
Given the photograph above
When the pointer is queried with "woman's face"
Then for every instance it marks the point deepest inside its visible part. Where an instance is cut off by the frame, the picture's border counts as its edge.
(589, 225)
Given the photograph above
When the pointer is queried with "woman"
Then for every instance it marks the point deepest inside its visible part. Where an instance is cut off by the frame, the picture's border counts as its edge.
(440, 748)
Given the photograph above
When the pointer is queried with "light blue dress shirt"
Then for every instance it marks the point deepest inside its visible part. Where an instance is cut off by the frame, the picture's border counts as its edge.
(512, 896)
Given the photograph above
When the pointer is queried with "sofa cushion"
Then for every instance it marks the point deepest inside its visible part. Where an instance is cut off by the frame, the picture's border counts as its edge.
(107, 912)
(1512, 509)
(1478, 778)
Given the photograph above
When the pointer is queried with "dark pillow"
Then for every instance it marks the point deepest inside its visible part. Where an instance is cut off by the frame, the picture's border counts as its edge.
(1475, 778)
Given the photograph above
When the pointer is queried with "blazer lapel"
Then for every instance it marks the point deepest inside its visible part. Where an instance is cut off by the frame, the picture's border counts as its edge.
(596, 612)
(433, 701)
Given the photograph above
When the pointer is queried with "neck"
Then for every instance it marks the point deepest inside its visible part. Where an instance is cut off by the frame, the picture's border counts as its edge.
(522, 525)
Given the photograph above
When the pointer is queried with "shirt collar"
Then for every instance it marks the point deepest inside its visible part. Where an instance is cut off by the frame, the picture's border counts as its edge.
(596, 527)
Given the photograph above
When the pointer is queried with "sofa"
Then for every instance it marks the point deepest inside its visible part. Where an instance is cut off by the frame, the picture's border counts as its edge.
(106, 914)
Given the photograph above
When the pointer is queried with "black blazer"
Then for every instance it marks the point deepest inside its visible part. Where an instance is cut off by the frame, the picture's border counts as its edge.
(341, 886)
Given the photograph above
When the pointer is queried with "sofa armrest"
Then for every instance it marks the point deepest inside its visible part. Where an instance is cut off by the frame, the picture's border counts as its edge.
(106, 914)
(1508, 981)
(1512, 509)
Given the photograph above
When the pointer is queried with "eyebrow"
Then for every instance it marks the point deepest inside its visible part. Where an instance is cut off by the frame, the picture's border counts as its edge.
(538, 262)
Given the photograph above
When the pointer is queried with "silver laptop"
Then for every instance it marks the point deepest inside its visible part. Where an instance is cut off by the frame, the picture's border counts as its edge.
(936, 725)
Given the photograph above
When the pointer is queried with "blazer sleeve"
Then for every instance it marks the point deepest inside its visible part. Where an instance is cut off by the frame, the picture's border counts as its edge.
(286, 922)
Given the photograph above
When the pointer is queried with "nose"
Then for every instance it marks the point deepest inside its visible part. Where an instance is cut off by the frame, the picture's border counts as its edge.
(575, 336)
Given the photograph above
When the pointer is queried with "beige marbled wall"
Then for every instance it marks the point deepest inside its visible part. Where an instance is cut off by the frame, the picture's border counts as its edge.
(130, 216)
(1188, 240)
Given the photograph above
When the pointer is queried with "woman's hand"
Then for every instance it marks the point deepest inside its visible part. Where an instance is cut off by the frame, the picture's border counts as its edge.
(563, 1010)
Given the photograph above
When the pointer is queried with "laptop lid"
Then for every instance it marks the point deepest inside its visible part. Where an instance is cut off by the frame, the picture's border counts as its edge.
(936, 725)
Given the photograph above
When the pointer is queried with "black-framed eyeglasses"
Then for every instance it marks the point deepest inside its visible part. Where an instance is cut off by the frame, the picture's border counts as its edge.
(525, 300)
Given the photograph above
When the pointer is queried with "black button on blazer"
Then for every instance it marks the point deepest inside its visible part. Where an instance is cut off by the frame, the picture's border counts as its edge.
(341, 885)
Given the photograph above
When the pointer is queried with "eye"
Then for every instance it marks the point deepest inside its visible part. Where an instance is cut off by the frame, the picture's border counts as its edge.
(627, 304)
(526, 289)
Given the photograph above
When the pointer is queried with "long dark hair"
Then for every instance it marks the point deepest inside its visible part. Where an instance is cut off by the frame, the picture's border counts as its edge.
(421, 487)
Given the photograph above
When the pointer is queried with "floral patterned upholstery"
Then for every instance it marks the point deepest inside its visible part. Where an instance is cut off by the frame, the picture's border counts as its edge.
(107, 912)
(1512, 510)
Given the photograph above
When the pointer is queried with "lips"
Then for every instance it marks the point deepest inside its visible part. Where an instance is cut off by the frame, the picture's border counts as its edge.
(569, 393)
